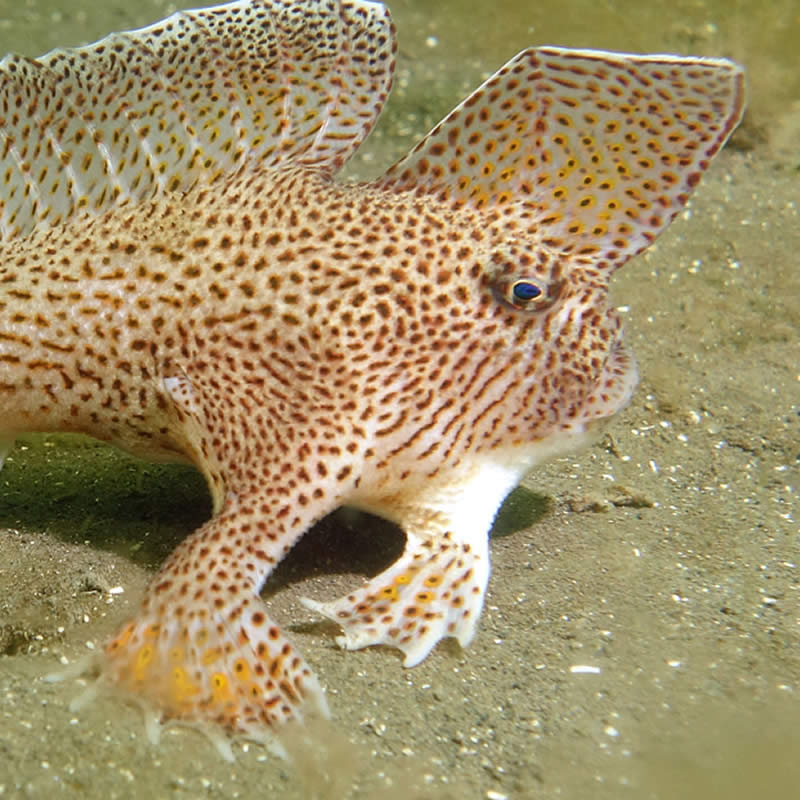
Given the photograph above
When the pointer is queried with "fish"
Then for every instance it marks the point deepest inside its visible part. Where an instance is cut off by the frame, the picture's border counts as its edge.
(183, 276)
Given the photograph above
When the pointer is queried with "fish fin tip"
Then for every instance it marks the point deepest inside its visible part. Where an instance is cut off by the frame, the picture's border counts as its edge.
(597, 151)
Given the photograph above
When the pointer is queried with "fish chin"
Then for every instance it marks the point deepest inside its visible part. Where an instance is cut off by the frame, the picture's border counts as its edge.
(614, 387)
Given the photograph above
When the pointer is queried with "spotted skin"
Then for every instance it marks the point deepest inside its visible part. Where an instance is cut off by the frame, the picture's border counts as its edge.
(181, 276)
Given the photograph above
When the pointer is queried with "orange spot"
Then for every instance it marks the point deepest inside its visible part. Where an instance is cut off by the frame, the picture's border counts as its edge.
(220, 689)
(143, 660)
(389, 592)
(181, 687)
(152, 631)
(122, 639)
(210, 656)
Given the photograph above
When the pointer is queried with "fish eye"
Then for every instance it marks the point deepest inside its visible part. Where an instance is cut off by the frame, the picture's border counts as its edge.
(524, 281)
(523, 291)
(530, 293)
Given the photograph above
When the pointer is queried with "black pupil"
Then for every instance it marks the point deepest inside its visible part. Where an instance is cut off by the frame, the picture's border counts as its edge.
(524, 290)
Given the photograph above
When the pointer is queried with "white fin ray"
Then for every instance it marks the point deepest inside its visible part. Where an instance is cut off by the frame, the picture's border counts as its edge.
(255, 83)
(596, 152)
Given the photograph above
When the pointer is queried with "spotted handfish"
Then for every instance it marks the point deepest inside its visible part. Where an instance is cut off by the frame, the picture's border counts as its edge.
(182, 276)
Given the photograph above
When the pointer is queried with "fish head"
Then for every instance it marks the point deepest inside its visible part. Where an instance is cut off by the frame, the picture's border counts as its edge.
(566, 164)
(551, 341)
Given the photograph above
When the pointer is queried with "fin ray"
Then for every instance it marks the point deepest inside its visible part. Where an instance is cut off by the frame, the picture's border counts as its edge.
(263, 83)
(596, 151)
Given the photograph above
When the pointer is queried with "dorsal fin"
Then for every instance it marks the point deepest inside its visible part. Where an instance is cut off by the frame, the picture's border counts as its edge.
(597, 151)
(266, 82)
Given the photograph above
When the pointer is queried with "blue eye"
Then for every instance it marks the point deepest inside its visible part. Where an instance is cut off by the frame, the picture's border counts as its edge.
(525, 291)
(529, 292)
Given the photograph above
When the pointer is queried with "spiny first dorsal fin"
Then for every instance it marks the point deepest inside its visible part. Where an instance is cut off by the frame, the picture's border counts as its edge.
(266, 83)
(594, 152)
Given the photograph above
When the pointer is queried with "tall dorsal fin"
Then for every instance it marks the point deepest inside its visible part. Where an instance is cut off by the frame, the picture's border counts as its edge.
(596, 152)
(266, 82)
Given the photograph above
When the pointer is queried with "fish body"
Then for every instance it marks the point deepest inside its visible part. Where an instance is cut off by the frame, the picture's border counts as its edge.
(181, 275)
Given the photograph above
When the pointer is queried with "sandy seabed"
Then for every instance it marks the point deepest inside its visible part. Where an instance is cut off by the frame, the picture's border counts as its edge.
(666, 557)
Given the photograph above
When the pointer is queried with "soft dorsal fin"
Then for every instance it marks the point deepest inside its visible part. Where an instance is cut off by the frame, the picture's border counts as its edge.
(267, 82)
(595, 152)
